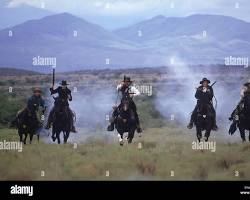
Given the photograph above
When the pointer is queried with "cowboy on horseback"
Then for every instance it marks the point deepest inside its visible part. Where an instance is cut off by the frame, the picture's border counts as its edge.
(128, 91)
(33, 104)
(243, 93)
(204, 95)
(64, 95)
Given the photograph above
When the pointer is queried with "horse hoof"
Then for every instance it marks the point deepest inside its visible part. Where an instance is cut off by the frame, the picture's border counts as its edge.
(121, 142)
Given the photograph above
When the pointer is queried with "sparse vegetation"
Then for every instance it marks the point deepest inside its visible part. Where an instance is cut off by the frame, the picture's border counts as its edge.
(165, 146)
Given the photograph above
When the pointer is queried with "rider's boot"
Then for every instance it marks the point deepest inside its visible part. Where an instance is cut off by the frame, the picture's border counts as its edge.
(112, 120)
(48, 125)
(191, 124)
(111, 127)
(232, 117)
(73, 129)
(138, 128)
(215, 127)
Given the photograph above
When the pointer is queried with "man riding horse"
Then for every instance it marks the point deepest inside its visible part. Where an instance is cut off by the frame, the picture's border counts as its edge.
(64, 94)
(128, 91)
(241, 115)
(204, 95)
(243, 93)
(33, 104)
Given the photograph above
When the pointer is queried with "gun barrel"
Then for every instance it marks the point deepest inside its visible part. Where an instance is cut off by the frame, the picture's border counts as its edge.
(53, 80)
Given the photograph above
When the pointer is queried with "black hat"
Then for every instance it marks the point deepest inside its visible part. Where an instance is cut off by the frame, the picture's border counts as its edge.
(204, 79)
(126, 79)
(37, 90)
(247, 83)
(64, 83)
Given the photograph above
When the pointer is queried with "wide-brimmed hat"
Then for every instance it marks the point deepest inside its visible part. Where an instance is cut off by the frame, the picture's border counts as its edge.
(247, 83)
(203, 80)
(64, 83)
(37, 90)
(127, 79)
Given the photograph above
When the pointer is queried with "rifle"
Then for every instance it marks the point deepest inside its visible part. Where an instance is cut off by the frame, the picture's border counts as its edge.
(53, 80)
(214, 83)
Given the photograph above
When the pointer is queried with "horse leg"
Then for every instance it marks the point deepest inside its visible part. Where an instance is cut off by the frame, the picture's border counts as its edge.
(242, 134)
(38, 137)
(199, 134)
(120, 138)
(65, 136)
(58, 137)
(20, 136)
(249, 136)
(207, 135)
(131, 135)
(53, 135)
(25, 137)
(31, 137)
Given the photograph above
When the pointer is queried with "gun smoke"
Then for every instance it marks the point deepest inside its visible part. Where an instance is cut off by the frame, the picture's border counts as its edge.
(176, 97)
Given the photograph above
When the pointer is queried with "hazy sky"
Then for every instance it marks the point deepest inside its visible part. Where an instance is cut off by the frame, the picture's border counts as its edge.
(119, 13)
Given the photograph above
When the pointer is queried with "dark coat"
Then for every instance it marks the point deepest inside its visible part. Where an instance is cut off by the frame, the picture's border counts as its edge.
(204, 97)
(64, 94)
(35, 102)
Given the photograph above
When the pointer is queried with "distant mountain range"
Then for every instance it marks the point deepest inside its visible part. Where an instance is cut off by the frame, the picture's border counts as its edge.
(78, 44)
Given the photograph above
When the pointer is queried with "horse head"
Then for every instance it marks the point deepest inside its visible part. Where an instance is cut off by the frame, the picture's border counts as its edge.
(125, 103)
(204, 110)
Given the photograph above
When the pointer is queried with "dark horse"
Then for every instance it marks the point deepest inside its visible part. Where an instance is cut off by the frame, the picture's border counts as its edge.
(125, 121)
(204, 121)
(61, 122)
(26, 123)
(244, 120)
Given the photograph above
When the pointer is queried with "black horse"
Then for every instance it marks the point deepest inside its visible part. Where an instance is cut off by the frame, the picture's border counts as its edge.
(61, 122)
(204, 120)
(125, 121)
(243, 123)
(26, 124)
